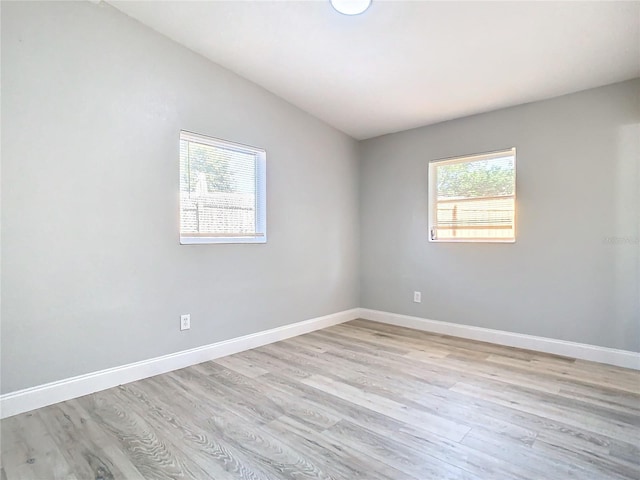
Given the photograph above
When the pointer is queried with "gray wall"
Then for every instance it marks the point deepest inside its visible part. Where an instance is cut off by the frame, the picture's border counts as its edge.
(92, 273)
(572, 273)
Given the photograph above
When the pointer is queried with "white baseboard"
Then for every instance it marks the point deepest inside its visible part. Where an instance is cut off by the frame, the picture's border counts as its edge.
(36, 397)
(611, 356)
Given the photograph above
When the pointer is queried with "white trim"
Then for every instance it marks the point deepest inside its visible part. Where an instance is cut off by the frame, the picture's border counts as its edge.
(36, 397)
(472, 157)
(260, 234)
(186, 240)
(433, 195)
(583, 351)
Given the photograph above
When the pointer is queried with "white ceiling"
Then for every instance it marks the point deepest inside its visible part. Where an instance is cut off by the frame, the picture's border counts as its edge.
(404, 64)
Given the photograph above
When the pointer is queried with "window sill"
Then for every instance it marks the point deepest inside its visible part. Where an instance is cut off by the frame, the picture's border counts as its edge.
(473, 240)
(210, 240)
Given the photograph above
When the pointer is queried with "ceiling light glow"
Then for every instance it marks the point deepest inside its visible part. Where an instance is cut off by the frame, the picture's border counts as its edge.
(350, 7)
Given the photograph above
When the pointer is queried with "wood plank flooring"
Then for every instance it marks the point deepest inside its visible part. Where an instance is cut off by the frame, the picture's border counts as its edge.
(360, 400)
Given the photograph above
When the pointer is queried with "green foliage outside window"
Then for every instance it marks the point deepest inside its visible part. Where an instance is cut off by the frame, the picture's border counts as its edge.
(199, 159)
(482, 178)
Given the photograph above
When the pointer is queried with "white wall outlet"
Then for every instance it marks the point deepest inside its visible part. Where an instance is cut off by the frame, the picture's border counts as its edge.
(417, 297)
(185, 321)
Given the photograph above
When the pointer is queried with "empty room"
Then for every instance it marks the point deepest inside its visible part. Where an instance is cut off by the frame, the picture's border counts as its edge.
(320, 239)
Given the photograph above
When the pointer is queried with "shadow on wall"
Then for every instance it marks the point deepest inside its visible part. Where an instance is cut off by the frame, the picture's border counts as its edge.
(624, 238)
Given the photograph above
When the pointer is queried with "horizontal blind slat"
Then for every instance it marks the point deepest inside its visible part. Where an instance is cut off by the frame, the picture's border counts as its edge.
(217, 190)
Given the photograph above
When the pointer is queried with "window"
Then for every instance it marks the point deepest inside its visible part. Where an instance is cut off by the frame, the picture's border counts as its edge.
(222, 191)
(472, 198)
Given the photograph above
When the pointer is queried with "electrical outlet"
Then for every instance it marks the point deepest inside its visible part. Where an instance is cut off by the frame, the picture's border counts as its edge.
(185, 321)
(417, 297)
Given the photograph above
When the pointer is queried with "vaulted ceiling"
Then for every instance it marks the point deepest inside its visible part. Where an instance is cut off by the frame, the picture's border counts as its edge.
(404, 64)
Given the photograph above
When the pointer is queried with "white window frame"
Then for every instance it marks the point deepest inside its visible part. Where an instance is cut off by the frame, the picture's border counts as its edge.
(261, 191)
(433, 193)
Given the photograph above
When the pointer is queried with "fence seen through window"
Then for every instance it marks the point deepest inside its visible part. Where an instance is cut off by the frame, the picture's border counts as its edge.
(472, 198)
(222, 191)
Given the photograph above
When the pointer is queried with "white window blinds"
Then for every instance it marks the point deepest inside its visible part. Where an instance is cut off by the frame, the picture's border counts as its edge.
(222, 191)
(472, 198)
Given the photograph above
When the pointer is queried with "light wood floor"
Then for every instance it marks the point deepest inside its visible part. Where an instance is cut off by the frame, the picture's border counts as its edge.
(355, 401)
